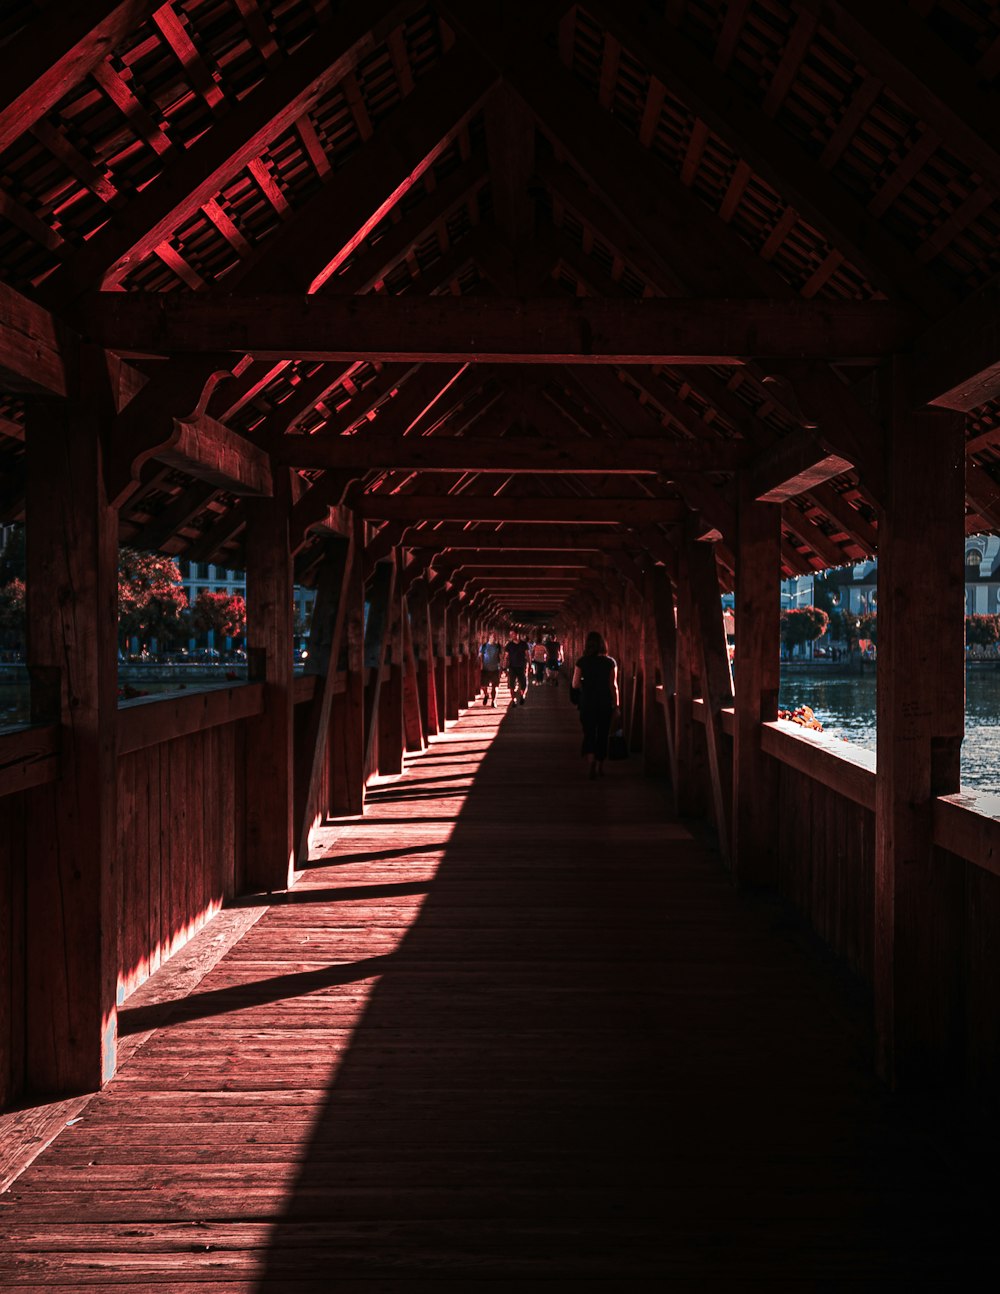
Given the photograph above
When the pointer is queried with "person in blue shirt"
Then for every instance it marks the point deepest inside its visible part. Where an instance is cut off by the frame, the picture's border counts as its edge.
(489, 672)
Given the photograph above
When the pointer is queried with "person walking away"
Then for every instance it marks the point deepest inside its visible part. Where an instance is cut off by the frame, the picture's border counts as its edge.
(553, 659)
(595, 676)
(489, 670)
(516, 656)
(539, 655)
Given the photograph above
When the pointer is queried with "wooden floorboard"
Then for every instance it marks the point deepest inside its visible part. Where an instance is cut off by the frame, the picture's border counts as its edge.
(512, 1030)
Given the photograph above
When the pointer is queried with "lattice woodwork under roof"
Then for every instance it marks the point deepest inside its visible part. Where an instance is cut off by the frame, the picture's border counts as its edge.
(182, 74)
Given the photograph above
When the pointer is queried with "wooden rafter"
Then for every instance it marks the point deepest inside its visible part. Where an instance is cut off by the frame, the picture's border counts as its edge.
(56, 51)
(677, 62)
(195, 176)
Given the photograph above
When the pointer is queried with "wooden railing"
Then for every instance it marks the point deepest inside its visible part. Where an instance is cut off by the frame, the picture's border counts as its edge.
(180, 816)
(825, 837)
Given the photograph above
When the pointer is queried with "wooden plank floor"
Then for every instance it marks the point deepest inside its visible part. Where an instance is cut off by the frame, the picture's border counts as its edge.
(513, 1030)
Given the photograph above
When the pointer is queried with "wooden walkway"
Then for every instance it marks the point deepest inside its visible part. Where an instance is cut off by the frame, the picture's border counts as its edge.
(513, 1030)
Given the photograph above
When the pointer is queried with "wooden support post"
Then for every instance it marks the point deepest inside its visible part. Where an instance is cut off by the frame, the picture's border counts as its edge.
(758, 653)
(464, 648)
(921, 713)
(325, 641)
(655, 747)
(716, 681)
(270, 861)
(454, 639)
(347, 736)
(423, 650)
(663, 630)
(390, 706)
(73, 883)
(439, 632)
(413, 725)
(381, 596)
(634, 643)
(690, 764)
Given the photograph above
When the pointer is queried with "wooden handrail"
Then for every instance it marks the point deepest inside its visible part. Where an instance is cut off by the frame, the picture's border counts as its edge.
(150, 721)
(846, 769)
(29, 756)
(969, 825)
(728, 715)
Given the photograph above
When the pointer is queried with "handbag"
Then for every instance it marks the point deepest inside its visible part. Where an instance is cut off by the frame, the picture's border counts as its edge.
(617, 746)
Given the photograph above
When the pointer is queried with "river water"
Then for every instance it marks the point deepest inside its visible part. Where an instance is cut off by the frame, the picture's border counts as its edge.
(845, 705)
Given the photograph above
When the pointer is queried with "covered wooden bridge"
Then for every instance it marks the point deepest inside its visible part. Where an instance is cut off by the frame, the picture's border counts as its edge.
(473, 316)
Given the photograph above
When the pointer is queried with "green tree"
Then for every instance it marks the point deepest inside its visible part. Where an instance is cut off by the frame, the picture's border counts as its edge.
(802, 625)
(224, 613)
(844, 627)
(868, 626)
(151, 599)
(12, 559)
(12, 613)
(982, 631)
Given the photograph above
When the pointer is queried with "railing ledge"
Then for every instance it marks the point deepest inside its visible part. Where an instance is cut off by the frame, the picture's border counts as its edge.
(150, 721)
(29, 756)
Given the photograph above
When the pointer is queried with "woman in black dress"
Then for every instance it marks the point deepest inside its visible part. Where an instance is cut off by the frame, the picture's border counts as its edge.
(596, 679)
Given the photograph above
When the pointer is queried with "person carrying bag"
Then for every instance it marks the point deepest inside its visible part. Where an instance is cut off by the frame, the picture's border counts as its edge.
(595, 678)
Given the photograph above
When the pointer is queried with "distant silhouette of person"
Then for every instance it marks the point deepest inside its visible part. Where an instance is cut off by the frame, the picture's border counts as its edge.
(516, 655)
(595, 677)
(553, 658)
(539, 655)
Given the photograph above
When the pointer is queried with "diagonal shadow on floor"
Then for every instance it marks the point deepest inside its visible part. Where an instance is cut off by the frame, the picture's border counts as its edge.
(531, 1045)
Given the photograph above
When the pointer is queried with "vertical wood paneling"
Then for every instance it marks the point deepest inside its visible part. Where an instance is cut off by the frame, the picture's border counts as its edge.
(12, 950)
(181, 836)
(982, 986)
(826, 865)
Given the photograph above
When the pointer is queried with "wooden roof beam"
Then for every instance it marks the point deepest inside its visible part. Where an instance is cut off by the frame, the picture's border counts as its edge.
(791, 467)
(195, 175)
(826, 204)
(368, 451)
(699, 249)
(56, 51)
(514, 538)
(506, 507)
(32, 347)
(210, 451)
(498, 330)
(829, 401)
(893, 42)
(956, 363)
(511, 559)
(844, 516)
(431, 389)
(299, 254)
(178, 513)
(510, 134)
